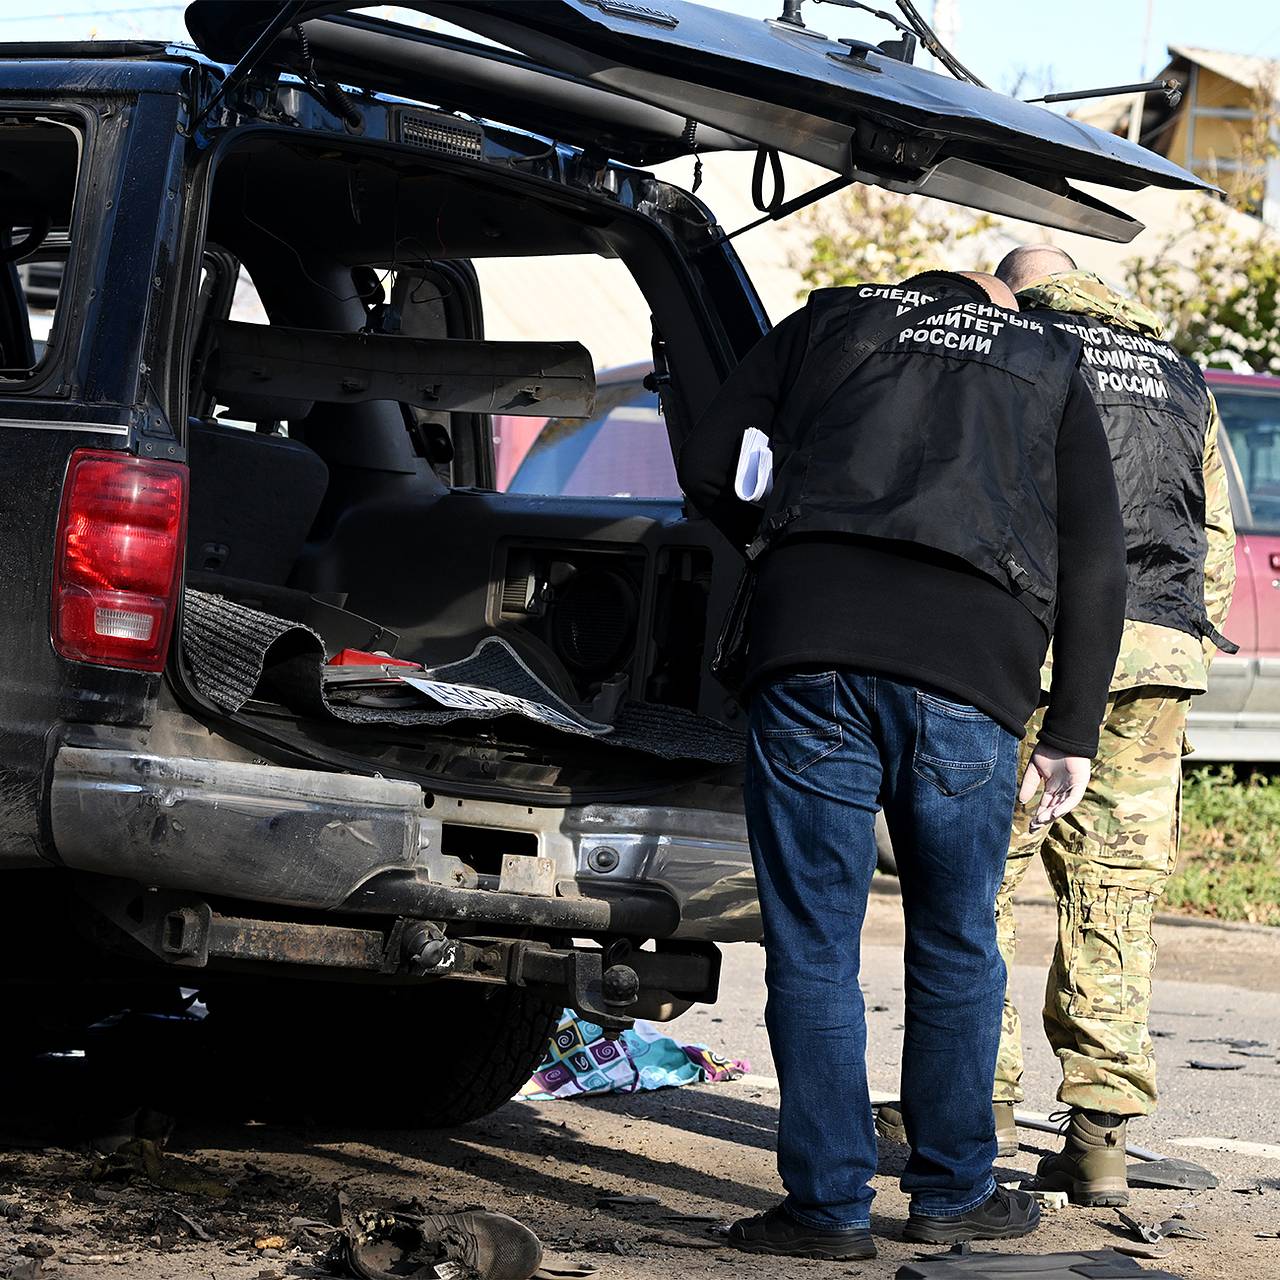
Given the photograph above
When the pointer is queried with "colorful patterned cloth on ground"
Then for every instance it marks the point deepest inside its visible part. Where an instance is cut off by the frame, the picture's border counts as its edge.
(581, 1061)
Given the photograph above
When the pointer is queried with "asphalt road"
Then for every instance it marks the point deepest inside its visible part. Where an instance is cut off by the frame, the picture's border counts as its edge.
(1214, 984)
(702, 1155)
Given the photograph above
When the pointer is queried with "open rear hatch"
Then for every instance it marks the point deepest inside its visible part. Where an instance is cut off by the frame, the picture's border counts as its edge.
(646, 82)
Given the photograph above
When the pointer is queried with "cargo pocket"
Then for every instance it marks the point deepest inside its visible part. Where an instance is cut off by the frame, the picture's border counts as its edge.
(797, 720)
(956, 744)
(1112, 955)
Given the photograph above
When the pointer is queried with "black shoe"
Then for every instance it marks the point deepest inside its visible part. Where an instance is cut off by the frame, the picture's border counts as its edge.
(1006, 1215)
(777, 1232)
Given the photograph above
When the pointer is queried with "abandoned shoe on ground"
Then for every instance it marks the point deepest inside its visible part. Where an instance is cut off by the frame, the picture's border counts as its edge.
(1090, 1168)
(402, 1246)
(1005, 1215)
(777, 1232)
(890, 1127)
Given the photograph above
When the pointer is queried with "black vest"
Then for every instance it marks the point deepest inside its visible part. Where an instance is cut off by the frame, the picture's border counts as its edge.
(945, 437)
(1154, 407)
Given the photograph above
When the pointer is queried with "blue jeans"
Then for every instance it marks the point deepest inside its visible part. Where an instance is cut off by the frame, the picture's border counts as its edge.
(826, 751)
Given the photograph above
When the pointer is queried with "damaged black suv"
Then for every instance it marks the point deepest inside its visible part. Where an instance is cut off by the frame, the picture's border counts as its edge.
(298, 711)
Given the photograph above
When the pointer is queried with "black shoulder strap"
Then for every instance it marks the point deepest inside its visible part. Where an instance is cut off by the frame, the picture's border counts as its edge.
(816, 392)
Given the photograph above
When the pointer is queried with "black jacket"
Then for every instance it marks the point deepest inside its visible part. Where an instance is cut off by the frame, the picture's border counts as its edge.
(1154, 406)
(943, 438)
(910, 611)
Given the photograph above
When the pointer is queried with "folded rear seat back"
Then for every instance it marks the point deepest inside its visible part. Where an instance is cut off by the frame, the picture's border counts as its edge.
(254, 498)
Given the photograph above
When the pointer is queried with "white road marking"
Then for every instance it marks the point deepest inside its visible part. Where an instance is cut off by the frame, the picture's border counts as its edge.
(1264, 1150)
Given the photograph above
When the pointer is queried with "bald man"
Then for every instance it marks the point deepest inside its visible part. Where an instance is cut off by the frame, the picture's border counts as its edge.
(942, 498)
(1110, 859)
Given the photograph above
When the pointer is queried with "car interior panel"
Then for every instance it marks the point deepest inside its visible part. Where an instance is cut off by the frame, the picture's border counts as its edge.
(391, 508)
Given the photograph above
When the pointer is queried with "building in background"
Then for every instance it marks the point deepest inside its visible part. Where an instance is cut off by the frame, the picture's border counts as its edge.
(1224, 128)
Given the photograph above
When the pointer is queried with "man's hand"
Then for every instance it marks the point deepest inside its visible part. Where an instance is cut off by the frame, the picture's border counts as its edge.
(1065, 778)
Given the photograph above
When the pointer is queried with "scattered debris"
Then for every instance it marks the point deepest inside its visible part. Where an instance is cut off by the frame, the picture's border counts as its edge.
(671, 1241)
(1179, 1228)
(26, 1269)
(1232, 1043)
(42, 1224)
(191, 1225)
(1266, 1235)
(612, 1198)
(1254, 1190)
(1171, 1174)
(143, 1157)
(1197, 1064)
(1251, 1053)
(1051, 1201)
(1152, 1240)
(311, 1233)
(10, 1208)
(271, 1242)
(1145, 1249)
(555, 1267)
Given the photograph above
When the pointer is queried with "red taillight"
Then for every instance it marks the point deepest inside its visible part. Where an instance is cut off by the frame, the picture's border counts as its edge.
(121, 534)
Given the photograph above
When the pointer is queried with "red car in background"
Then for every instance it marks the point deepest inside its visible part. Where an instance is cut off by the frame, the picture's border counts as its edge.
(1239, 718)
(623, 452)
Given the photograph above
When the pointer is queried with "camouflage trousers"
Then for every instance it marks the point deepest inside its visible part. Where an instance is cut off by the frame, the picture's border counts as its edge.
(1108, 862)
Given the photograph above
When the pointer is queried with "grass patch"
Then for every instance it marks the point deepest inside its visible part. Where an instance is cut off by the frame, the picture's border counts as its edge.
(1230, 863)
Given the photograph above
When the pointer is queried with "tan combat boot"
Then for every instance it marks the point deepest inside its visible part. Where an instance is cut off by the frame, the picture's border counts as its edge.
(1090, 1168)
(889, 1125)
(1006, 1130)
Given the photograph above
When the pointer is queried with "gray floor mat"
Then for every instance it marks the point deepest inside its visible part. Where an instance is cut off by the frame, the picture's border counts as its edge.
(234, 652)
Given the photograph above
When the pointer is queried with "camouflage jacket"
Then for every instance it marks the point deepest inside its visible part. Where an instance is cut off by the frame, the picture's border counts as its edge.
(1150, 654)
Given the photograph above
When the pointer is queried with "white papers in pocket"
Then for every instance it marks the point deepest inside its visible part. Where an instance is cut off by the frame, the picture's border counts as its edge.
(754, 478)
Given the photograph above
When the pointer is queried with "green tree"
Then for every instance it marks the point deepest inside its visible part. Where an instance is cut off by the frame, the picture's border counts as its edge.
(1217, 277)
(866, 233)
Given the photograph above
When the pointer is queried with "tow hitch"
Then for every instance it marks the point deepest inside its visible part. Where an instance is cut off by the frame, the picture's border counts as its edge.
(612, 983)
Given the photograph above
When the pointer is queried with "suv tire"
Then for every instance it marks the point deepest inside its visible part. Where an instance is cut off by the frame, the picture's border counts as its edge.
(416, 1057)
(500, 1036)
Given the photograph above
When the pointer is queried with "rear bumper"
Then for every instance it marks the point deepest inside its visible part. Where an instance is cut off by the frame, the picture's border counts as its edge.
(333, 842)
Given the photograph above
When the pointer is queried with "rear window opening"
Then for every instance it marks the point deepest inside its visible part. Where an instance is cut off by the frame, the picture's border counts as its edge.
(39, 174)
(370, 331)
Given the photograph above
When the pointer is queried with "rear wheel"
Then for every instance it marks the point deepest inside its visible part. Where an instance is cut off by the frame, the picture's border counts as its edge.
(415, 1057)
